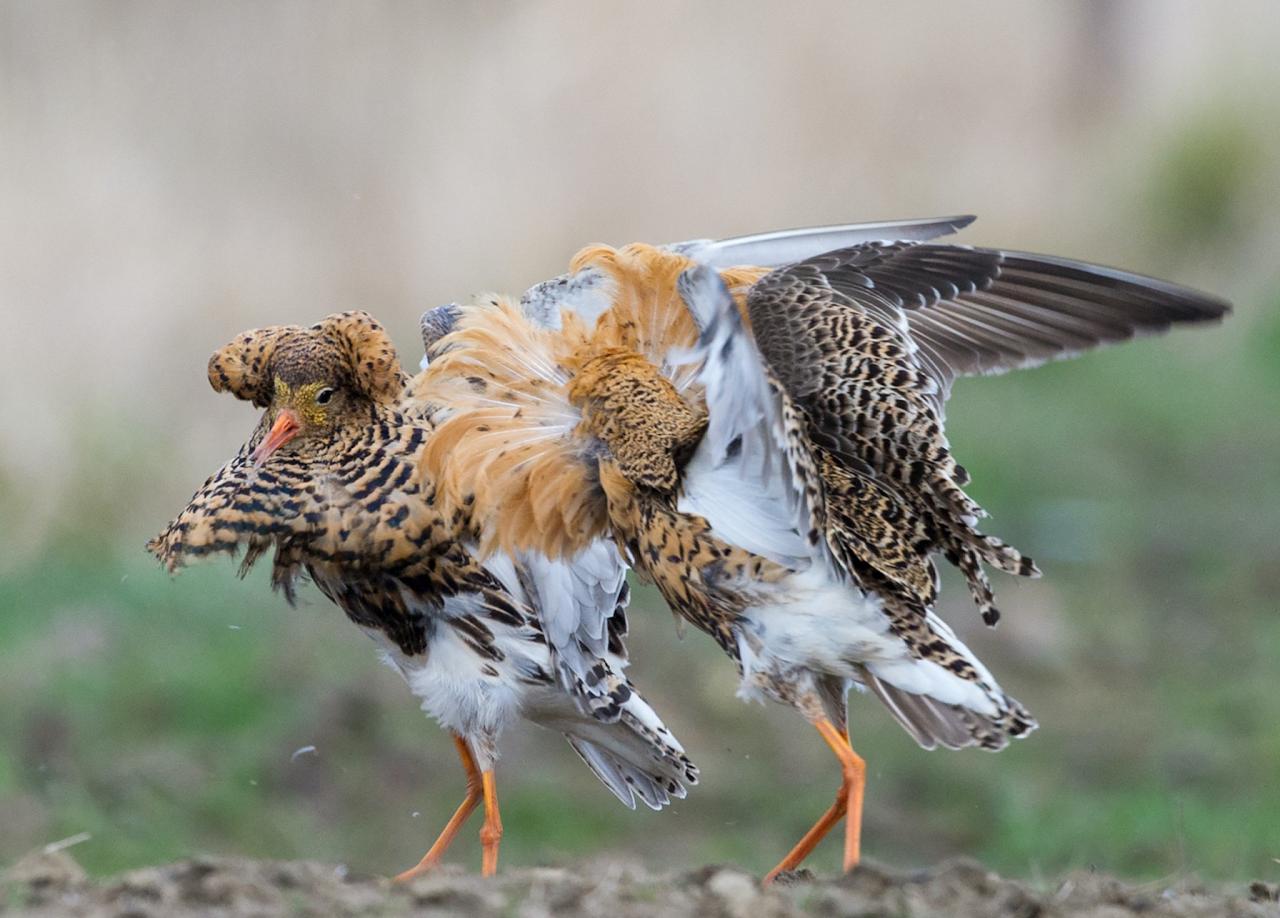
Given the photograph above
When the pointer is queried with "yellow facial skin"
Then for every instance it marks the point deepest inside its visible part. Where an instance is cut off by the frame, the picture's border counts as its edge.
(295, 412)
(303, 402)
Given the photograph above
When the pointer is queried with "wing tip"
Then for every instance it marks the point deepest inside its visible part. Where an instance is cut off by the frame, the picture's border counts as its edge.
(958, 222)
(1193, 305)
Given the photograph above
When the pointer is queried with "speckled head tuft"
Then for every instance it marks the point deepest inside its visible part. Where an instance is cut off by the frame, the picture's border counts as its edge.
(349, 348)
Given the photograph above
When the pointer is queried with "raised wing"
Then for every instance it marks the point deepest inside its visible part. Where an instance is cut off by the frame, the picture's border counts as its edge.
(587, 291)
(751, 476)
(956, 311)
(784, 247)
(867, 341)
(434, 325)
(759, 444)
(592, 285)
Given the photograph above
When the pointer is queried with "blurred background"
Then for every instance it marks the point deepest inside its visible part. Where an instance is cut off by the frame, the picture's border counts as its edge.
(173, 173)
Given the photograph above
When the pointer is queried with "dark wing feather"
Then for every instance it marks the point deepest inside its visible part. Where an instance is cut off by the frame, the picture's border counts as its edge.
(867, 340)
(976, 311)
(900, 321)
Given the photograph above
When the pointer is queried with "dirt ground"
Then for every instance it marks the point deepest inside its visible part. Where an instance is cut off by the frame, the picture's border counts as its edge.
(53, 884)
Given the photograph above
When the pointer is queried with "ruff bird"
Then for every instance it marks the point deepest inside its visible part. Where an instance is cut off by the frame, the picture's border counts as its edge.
(330, 480)
(758, 424)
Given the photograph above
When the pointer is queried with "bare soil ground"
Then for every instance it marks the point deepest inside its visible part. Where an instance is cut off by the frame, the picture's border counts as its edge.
(53, 884)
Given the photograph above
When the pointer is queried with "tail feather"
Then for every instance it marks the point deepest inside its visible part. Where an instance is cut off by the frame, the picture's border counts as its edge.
(606, 768)
(635, 756)
(943, 696)
(933, 723)
(625, 780)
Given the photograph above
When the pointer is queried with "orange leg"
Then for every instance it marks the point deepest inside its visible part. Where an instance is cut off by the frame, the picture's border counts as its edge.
(848, 802)
(491, 831)
(465, 809)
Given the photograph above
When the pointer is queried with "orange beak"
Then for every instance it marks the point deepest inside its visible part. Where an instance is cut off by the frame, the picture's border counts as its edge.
(282, 431)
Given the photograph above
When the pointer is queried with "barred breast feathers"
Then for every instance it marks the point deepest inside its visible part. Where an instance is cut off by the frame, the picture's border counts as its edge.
(311, 510)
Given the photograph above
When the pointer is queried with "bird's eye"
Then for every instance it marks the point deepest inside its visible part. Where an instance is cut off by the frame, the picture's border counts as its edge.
(323, 396)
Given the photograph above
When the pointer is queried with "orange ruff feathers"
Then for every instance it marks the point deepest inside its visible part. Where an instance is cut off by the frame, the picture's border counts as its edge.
(504, 454)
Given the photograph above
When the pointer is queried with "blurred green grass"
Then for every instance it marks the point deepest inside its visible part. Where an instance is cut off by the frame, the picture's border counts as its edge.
(161, 715)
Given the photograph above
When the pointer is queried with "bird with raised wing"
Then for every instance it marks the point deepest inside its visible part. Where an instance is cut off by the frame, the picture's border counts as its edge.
(765, 443)
(330, 480)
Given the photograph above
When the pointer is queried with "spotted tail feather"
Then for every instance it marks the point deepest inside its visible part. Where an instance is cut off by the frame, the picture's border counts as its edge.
(933, 723)
(636, 757)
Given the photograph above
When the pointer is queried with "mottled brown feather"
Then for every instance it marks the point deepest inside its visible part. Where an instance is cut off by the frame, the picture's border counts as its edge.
(705, 580)
(627, 404)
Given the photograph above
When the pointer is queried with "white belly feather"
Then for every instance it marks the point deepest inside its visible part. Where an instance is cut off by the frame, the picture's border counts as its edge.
(809, 621)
